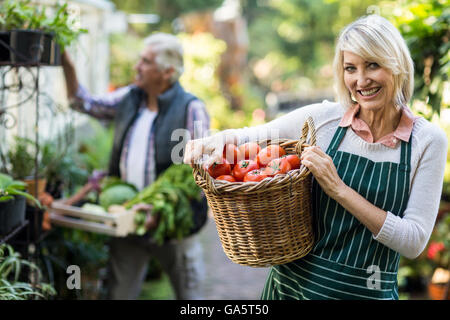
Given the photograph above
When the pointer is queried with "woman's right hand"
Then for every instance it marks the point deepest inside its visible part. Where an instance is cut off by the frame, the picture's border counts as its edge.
(203, 151)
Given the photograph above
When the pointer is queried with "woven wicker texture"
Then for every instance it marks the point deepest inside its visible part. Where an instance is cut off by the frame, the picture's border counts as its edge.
(268, 222)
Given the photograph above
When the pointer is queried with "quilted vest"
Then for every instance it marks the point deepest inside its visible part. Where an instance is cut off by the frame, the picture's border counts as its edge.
(172, 112)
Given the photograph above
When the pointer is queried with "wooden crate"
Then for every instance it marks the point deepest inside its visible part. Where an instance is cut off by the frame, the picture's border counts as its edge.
(117, 223)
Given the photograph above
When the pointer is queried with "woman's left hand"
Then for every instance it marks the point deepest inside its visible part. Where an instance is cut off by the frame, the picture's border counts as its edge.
(322, 167)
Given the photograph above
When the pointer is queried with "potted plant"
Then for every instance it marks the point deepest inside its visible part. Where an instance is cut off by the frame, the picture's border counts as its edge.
(12, 203)
(11, 267)
(21, 165)
(30, 36)
(438, 254)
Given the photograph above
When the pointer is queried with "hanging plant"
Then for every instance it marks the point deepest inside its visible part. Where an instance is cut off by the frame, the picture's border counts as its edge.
(32, 35)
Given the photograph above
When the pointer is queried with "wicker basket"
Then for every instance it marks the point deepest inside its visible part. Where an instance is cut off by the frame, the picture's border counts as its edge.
(268, 222)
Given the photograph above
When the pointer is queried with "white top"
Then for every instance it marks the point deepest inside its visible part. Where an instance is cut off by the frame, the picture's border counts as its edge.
(410, 234)
(139, 140)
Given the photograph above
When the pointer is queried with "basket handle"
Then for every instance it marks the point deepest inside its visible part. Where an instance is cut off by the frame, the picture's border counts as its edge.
(308, 126)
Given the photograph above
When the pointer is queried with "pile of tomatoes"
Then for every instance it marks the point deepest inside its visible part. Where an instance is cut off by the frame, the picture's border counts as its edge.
(251, 163)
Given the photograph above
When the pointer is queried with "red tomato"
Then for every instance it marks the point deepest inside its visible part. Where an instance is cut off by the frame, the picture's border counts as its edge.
(242, 167)
(219, 169)
(293, 160)
(277, 166)
(249, 150)
(226, 177)
(231, 153)
(255, 176)
(268, 154)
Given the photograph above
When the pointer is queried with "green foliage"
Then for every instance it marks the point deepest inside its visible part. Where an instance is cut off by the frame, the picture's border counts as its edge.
(157, 289)
(291, 40)
(65, 247)
(446, 185)
(425, 25)
(57, 161)
(60, 165)
(10, 188)
(125, 50)
(11, 268)
(201, 59)
(168, 11)
(440, 244)
(20, 158)
(94, 150)
(25, 15)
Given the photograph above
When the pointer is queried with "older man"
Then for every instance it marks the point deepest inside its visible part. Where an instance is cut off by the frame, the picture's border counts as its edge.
(145, 115)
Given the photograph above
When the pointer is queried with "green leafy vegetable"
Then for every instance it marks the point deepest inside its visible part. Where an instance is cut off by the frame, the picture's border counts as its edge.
(116, 194)
(170, 196)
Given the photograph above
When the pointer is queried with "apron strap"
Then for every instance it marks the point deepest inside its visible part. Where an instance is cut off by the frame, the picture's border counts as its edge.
(405, 156)
(336, 141)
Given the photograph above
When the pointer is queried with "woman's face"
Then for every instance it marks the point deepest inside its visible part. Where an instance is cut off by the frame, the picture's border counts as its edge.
(370, 84)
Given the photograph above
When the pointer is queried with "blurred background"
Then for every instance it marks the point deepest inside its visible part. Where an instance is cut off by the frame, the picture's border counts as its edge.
(249, 61)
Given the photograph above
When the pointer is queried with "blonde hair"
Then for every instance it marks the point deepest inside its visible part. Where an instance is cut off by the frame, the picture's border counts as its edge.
(375, 39)
(169, 53)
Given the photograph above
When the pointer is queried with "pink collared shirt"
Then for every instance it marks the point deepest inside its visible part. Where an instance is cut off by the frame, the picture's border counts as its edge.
(402, 132)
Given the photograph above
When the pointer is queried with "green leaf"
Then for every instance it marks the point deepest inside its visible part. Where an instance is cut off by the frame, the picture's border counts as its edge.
(24, 194)
(6, 198)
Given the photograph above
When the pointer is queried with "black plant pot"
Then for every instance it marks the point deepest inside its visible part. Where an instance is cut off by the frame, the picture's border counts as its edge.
(5, 57)
(31, 47)
(52, 52)
(12, 214)
(34, 217)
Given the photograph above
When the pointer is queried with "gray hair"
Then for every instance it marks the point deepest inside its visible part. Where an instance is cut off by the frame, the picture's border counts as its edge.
(374, 38)
(169, 52)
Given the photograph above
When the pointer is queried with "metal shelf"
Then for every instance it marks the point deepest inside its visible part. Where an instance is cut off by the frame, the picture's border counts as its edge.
(14, 232)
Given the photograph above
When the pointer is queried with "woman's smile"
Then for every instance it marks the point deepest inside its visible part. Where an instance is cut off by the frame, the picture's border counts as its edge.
(369, 93)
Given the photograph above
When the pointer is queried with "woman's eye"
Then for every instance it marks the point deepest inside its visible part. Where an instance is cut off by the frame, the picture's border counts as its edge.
(374, 65)
(349, 68)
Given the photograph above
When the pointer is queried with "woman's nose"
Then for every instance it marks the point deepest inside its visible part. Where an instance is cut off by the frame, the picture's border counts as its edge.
(362, 80)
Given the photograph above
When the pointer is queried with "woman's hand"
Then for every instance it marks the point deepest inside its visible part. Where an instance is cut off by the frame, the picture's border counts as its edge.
(208, 150)
(322, 167)
(204, 150)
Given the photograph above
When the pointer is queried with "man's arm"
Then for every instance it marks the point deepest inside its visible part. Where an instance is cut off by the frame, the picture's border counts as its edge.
(101, 107)
(70, 75)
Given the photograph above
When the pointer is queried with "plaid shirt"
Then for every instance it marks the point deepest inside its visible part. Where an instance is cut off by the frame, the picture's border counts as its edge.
(104, 108)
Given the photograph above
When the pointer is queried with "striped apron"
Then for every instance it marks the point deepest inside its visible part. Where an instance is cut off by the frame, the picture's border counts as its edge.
(346, 262)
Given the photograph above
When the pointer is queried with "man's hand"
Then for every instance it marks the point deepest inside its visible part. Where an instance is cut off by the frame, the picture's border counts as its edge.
(151, 221)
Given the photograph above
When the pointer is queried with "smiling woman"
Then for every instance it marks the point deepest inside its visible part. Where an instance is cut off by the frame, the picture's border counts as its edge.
(378, 171)
(378, 44)
(372, 87)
